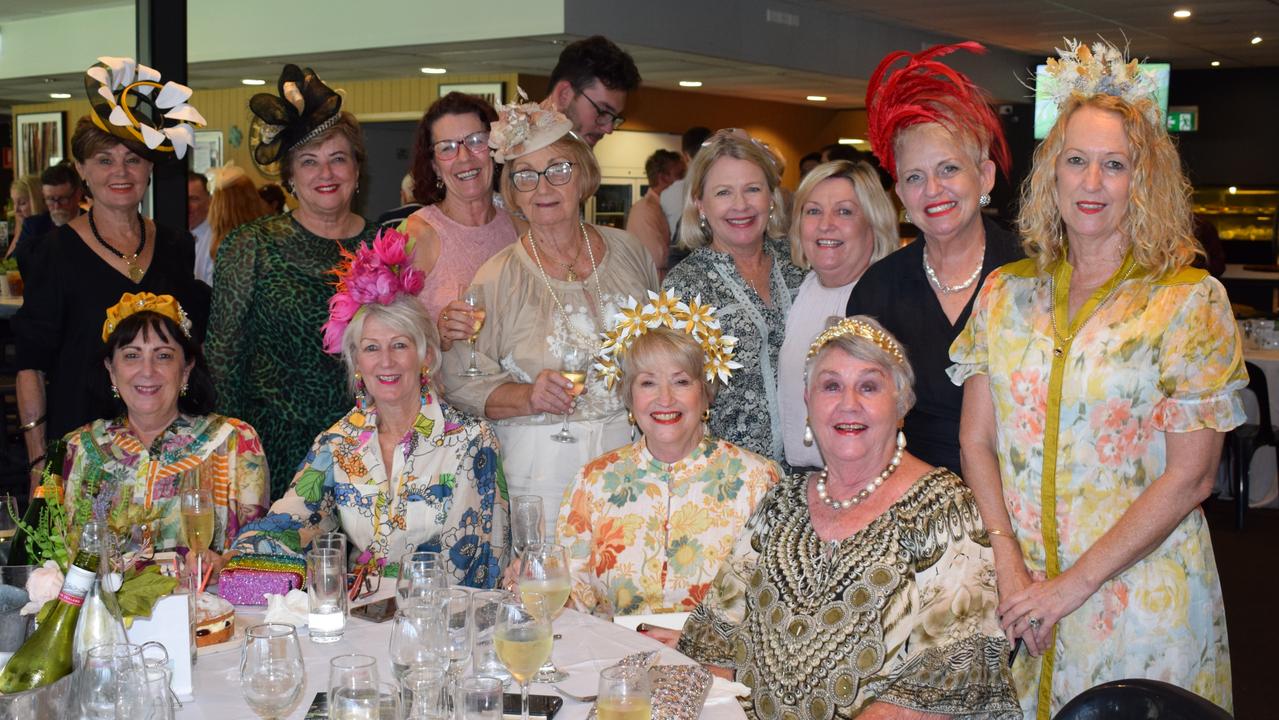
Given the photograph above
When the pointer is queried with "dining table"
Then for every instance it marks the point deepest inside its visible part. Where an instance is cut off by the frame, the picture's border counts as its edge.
(586, 645)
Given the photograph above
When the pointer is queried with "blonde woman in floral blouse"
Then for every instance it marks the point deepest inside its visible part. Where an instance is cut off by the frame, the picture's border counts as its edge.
(647, 525)
(166, 438)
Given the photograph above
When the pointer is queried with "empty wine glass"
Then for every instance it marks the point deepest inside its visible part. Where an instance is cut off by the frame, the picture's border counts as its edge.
(526, 521)
(455, 605)
(544, 572)
(523, 640)
(474, 297)
(425, 693)
(484, 607)
(420, 573)
(418, 637)
(111, 683)
(573, 366)
(354, 691)
(272, 673)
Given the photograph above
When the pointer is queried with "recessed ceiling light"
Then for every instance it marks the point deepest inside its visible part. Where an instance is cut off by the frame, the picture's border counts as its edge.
(252, 81)
(816, 98)
(851, 141)
(1215, 63)
(1181, 14)
(1232, 189)
(1256, 39)
(60, 96)
(690, 83)
(434, 70)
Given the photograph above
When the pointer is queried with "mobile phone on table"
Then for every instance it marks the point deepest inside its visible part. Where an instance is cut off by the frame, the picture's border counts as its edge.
(542, 706)
(377, 612)
(319, 709)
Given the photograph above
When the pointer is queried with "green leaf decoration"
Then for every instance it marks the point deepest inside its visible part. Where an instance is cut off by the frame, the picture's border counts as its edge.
(424, 425)
(142, 590)
(311, 485)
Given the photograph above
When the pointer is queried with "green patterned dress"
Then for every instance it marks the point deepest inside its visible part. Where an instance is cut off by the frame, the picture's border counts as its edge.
(271, 290)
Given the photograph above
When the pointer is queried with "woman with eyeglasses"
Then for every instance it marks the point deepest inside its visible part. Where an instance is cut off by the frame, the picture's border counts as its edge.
(548, 299)
(461, 226)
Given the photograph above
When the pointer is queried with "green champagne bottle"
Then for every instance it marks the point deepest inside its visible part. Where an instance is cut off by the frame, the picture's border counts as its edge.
(19, 554)
(46, 656)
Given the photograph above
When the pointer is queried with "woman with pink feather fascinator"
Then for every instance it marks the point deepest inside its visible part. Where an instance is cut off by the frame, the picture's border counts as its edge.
(402, 471)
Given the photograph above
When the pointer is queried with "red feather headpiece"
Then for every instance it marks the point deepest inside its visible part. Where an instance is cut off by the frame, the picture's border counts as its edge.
(928, 91)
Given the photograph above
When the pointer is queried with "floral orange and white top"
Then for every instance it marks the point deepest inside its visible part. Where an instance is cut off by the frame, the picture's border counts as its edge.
(647, 537)
(1083, 434)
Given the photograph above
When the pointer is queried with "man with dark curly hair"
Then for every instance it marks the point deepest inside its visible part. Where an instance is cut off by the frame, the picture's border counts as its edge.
(589, 85)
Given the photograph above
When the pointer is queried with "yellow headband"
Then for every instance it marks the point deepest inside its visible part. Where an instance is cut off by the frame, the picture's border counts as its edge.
(131, 304)
(852, 327)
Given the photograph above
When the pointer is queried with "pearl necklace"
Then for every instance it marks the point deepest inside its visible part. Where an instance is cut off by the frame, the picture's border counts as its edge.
(952, 289)
(866, 491)
(599, 292)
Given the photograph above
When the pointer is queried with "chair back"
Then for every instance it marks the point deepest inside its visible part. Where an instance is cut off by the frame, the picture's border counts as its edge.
(1258, 386)
(1140, 698)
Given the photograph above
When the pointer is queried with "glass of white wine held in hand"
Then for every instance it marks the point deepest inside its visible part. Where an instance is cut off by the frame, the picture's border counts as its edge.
(573, 366)
(544, 573)
(473, 296)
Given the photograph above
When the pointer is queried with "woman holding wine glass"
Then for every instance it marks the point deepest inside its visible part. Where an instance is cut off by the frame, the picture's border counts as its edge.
(165, 440)
(401, 471)
(550, 292)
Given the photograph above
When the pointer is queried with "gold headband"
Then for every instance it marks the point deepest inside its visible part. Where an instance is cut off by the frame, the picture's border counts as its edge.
(852, 327)
(667, 310)
(131, 304)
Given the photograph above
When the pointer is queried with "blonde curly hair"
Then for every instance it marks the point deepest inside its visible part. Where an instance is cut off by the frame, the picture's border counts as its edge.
(1158, 222)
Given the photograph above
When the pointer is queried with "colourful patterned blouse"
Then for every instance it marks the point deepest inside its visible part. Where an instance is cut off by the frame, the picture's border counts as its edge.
(217, 451)
(647, 537)
(444, 492)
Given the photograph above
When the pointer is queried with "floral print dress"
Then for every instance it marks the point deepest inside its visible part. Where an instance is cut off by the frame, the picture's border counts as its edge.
(1082, 433)
(445, 492)
(644, 536)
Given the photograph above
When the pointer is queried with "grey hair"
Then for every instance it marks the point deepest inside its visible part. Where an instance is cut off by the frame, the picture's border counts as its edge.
(405, 315)
(658, 344)
(867, 350)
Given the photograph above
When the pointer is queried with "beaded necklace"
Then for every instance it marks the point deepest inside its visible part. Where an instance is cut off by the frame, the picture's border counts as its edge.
(952, 289)
(870, 488)
(135, 271)
(599, 291)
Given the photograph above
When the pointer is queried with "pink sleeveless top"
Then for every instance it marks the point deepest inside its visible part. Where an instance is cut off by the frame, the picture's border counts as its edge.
(463, 249)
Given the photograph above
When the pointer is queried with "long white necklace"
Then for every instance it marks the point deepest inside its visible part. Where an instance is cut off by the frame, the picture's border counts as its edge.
(952, 289)
(599, 292)
(870, 488)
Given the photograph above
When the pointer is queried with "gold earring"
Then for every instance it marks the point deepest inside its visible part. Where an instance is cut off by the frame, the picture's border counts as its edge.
(706, 415)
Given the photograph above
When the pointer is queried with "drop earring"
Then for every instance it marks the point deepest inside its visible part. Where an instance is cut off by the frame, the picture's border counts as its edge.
(630, 418)
(115, 392)
(360, 398)
(182, 391)
(808, 434)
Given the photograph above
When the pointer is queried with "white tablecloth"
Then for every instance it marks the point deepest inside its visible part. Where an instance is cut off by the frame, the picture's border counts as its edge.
(1264, 471)
(587, 646)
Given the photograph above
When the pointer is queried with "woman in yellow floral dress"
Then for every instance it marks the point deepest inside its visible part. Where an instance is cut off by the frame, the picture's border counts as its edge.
(648, 524)
(1099, 377)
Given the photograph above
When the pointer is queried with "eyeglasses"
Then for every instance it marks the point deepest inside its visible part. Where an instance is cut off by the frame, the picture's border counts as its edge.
(604, 117)
(557, 174)
(476, 144)
(60, 200)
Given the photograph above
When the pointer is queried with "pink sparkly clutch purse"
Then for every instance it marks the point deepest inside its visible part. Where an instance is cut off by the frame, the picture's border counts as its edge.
(248, 579)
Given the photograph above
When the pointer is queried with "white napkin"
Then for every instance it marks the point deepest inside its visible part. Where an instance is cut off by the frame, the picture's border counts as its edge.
(736, 689)
(291, 609)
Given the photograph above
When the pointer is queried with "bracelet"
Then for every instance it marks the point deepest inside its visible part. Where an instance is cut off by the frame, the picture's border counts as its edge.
(1000, 533)
(33, 424)
(37, 461)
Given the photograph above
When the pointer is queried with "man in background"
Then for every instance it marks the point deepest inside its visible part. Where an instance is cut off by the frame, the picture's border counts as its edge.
(198, 223)
(60, 185)
(673, 196)
(589, 85)
(646, 221)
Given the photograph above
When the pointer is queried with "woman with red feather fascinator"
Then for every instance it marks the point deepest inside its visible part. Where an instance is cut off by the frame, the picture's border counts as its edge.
(935, 131)
(402, 471)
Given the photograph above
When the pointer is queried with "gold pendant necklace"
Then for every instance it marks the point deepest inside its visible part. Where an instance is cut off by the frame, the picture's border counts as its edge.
(1060, 342)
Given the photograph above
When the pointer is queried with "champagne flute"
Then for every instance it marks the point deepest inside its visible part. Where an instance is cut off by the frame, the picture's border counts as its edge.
(523, 640)
(573, 366)
(544, 572)
(526, 521)
(272, 673)
(197, 525)
(474, 297)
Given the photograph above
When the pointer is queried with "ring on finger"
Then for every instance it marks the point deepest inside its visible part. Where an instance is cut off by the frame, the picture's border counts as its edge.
(446, 317)
(1035, 622)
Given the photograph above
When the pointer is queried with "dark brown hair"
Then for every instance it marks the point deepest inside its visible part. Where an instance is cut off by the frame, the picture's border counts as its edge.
(425, 189)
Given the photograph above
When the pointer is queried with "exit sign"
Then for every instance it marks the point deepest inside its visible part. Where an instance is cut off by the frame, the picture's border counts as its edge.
(1183, 118)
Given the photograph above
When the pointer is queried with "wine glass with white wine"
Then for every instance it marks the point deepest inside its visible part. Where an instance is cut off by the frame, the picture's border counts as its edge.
(544, 572)
(523, 641)
(573, 366)
(473, 296)
(272, 673)
(197, 526)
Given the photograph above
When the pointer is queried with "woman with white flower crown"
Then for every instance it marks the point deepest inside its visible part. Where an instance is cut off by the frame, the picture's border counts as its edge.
(1100, 375)
(647, 525)
(547, 299)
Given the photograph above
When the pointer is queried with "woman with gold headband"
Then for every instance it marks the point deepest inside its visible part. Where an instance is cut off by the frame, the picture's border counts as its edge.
(934, 130)
(1099, 377)
(647, 525)
(166, 437)
(867, 587)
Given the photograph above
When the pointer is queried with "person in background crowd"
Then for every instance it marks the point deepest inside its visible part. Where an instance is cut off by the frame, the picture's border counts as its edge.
(1214, 258)
(646, 221)
(935, 130)
(548, 297)
(28, 201)
(408, 205)
(272, 281)
(273, 195)
(235, 202)
(734, 224)
(62, 192)
(589, 86)
(684, 496)
(458, 228)
(76, 272)
(843, 223)
(675, 194)
(865, 589)
(1100, 376)
(839, 151)
(808, 162)
(163, 436)
(198, 223)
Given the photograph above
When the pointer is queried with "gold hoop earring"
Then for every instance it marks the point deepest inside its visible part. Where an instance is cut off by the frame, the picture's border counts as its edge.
(706, 415)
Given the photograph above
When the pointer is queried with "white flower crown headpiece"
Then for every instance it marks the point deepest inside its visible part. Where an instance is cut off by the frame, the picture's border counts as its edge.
(669, 311)
(1101, 70)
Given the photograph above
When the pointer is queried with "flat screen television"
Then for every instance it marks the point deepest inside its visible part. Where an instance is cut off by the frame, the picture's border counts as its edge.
(1046, 109)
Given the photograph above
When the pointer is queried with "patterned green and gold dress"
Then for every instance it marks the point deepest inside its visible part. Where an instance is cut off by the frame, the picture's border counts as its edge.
(271, 290)
(901, 612)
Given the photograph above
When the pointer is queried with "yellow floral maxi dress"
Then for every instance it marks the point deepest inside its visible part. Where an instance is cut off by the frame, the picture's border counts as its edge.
(1083, 435)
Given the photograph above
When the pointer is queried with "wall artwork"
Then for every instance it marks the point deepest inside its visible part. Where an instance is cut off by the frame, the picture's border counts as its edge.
(41, 141)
